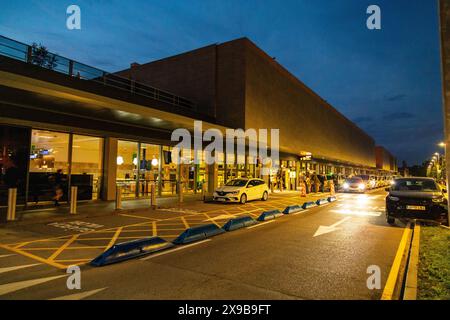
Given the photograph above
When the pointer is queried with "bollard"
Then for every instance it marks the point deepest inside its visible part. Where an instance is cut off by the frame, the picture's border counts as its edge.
(12, 199)
(73, 199)
(118, 198)
(180, 192)
(153, 195)
(203, 190)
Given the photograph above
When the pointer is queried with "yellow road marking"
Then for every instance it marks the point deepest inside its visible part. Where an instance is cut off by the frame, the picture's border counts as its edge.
(61, 249)
(114, 238)
(32, 256)
(185, 222)
(211, 219)
(395, 268)
(134, 216)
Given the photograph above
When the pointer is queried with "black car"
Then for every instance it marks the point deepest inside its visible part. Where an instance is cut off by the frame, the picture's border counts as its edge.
(415, 198)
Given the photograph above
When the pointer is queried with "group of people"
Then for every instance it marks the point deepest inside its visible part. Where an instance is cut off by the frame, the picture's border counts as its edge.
(312, 181)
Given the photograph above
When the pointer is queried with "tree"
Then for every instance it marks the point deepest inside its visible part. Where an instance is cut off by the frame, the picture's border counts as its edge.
(42, 57)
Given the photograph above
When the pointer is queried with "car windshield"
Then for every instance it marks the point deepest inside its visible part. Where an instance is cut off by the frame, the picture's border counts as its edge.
(414, 185)
(354, 180)
(364, 177)
(237, 183)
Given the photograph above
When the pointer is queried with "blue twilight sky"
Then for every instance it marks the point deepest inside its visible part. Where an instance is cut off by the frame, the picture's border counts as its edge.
(387, 81)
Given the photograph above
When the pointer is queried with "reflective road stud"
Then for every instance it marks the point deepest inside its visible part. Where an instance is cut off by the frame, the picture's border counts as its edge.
(118, 198)
(12, 197)
(73, 200)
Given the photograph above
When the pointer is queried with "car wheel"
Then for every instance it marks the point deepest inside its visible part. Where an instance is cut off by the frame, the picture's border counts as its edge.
(265, 196)
(243, 199)
(390, 220)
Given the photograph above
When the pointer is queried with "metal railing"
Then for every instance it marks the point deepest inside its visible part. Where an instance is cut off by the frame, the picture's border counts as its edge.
(29, 54)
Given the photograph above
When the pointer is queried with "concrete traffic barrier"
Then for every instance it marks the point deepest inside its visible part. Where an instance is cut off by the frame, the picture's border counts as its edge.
(198, 233)
(321, 201)
(131, 249)
(308, 204)
(238, 223)
(292, 209)
(269, 215)
(331, 199)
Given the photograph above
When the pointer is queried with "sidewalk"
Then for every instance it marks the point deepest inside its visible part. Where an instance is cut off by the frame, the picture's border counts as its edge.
(93, 209)
(107, 208)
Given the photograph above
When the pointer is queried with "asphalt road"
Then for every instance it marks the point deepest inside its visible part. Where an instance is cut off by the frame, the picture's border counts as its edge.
(281, 259)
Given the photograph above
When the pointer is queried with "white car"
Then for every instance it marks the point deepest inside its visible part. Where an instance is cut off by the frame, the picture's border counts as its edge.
(242, 190)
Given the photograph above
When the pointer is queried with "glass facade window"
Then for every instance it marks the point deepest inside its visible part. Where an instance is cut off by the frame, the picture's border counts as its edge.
(14, 155)
(49, 167)
(149, 168)
(87, 166)
(127, 167)
(168, 173)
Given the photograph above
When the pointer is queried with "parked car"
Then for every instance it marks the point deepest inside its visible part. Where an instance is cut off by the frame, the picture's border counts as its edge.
(354, 184)
(415, 198)
(242, 190)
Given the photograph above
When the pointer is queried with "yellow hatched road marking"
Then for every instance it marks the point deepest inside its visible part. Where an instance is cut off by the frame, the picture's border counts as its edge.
(64, 246)
(114, 238)
(389, 288)
(32, 256)
(211, 219)
(135, 216)
(185, 222)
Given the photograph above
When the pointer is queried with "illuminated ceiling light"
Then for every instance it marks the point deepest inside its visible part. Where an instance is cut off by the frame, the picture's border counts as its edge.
(135, 161)
(119, 160)
(441, 144)
(154, 162)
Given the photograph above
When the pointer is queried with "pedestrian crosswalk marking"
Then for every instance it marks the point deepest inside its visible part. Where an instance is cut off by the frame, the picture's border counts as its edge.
(6, 255)
(15, 286)
(79, 296)
(8, 269)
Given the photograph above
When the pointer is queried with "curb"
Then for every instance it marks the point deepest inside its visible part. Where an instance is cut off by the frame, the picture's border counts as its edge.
(410, 291)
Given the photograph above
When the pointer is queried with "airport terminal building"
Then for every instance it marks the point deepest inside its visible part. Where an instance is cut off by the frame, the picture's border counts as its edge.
(65, 121)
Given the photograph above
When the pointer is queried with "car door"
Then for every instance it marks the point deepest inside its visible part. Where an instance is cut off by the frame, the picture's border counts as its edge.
(252, 190)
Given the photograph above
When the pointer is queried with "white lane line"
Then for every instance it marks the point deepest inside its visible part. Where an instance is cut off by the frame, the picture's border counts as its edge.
(8, 269)
(79, 296)
(176, 249)
(15, 286)
(303, 211)
(6, 255)
(260, 224)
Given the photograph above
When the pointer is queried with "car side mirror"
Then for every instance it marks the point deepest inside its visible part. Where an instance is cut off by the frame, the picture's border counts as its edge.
(387, 189)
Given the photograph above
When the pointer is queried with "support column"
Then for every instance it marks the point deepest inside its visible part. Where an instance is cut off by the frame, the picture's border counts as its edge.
(212, 177)
(109, 170)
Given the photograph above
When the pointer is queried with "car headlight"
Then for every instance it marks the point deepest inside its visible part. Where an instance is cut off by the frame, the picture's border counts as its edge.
(346, 186)
(361, 186)
(393, 198)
